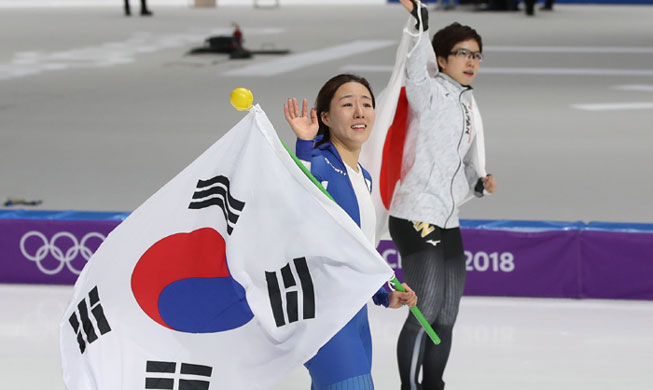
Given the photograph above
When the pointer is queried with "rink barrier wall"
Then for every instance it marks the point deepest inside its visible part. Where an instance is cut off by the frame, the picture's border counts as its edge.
(503, 258)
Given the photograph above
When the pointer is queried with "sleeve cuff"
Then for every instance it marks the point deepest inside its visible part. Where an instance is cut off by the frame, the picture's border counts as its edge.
(304, 149)
(381, 298)
(479, 188)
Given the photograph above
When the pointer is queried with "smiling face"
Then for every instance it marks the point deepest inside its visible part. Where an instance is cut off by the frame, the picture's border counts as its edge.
(351, 116)
(460, 67)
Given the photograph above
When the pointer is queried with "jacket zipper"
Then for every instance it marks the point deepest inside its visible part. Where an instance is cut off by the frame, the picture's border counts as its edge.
(462, 134)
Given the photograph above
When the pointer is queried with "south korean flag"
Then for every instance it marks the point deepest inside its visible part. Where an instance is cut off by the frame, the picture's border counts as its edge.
(229, 277)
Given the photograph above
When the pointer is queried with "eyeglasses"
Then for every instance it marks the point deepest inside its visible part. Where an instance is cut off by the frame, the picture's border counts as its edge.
(475, 55)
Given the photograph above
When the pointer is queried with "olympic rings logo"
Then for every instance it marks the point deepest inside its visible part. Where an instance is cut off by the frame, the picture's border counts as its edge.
(52, 248)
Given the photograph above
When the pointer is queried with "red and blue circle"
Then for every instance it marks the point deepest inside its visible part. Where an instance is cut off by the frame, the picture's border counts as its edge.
(183, 283)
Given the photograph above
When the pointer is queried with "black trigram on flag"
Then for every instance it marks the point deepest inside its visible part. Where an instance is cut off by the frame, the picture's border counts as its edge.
(162, 375)
(83, 326)
(215, 192)
(292, 292)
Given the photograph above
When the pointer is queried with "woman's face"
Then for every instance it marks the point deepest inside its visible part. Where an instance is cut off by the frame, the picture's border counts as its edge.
(351, 115)
(463, 62)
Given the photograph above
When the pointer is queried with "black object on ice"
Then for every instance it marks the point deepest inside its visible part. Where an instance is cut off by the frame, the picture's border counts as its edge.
(22, 202)
(232, 45)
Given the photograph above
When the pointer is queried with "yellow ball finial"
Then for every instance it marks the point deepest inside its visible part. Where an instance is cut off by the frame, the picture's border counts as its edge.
(241, 99)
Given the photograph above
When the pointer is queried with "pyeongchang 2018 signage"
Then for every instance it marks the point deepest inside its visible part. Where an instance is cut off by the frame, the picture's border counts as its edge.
(502, 258)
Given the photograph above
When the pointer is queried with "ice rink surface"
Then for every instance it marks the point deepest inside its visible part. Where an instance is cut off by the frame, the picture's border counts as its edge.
(98, 111)
(499, 343)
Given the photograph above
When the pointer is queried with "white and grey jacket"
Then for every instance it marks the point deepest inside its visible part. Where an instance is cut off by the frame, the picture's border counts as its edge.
(444, 153)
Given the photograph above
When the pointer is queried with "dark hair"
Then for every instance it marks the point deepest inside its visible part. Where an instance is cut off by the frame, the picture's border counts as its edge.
(324, 97)
(445, 39)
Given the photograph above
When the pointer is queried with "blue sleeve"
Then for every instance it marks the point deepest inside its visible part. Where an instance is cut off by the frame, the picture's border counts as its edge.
(381, 297)
(304, 149)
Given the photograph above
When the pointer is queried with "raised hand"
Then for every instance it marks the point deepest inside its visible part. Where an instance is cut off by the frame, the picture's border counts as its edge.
(304, 127)
(411, 6)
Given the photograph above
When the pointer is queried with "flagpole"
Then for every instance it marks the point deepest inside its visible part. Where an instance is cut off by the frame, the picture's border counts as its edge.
(418, 314)
(414, 309)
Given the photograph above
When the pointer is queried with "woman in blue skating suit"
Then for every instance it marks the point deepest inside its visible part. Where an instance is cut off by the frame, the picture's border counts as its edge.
(342, 120)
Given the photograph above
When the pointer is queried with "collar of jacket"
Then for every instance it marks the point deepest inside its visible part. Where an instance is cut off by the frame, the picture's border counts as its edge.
(328, 147)
(453, 85)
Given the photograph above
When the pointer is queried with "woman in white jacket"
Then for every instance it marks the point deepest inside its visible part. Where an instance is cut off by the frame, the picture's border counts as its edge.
(442, 167)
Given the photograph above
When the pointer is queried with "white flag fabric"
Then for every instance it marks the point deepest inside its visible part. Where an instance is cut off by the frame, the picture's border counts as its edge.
(382, 154)
(229, 277)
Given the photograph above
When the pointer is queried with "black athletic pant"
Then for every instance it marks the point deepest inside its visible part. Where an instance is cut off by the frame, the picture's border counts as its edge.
(433, 263)
(143, 7)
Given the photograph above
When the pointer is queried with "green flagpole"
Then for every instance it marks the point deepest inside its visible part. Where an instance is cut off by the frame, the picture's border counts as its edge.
(413, 309)
(418, 314)
(306, 171)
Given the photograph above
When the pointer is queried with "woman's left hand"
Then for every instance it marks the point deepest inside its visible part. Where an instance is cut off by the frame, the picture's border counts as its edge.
(490, 183)
(398, 299)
